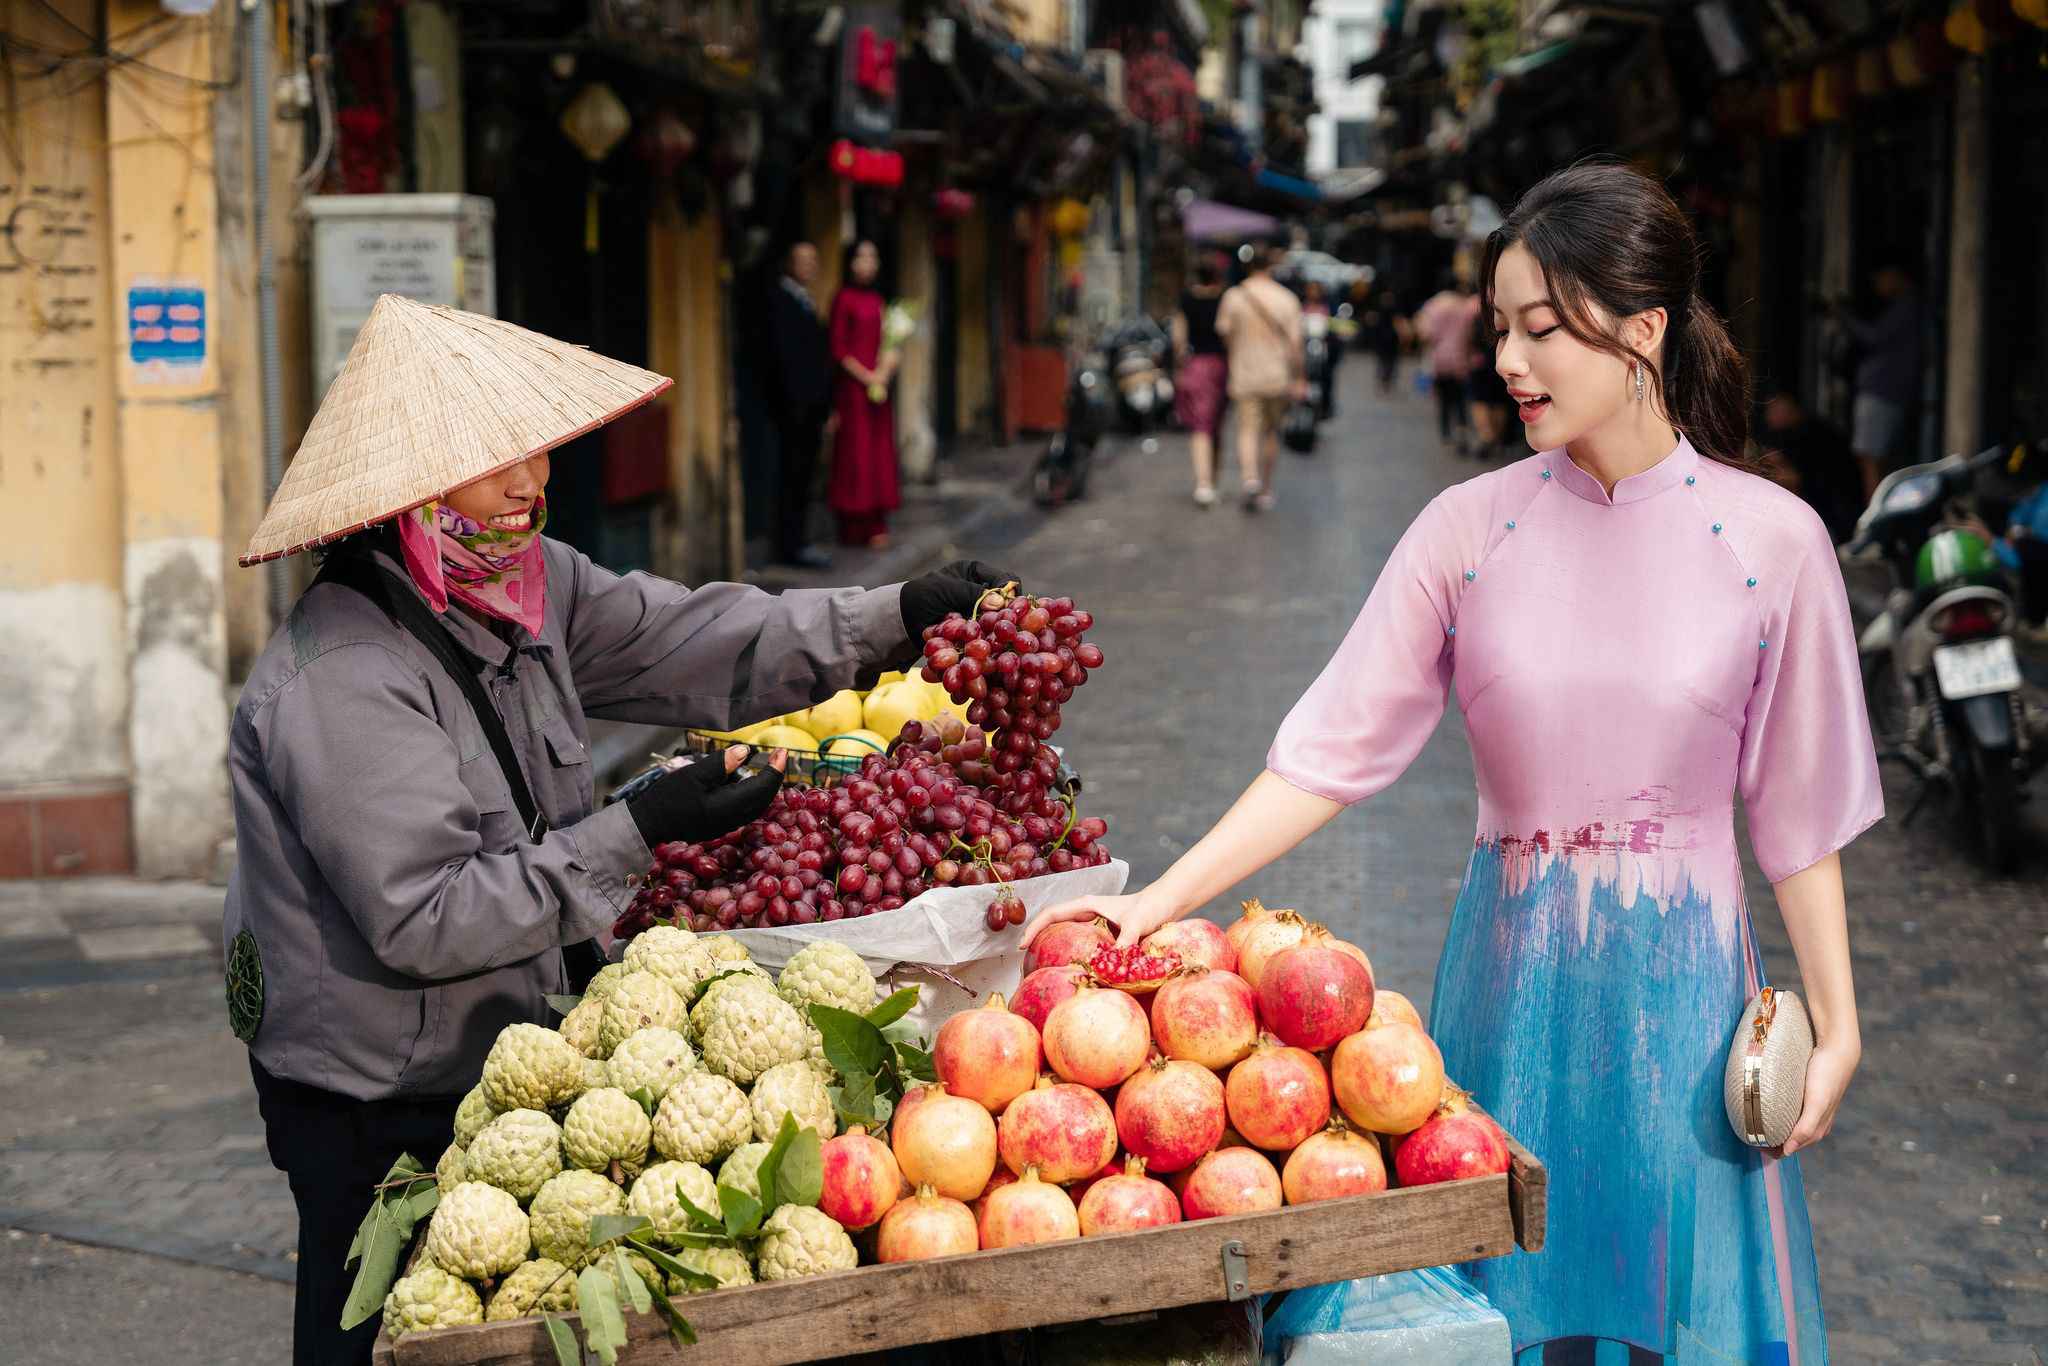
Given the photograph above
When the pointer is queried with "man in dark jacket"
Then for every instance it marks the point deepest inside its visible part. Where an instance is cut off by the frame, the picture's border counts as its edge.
(799, 386)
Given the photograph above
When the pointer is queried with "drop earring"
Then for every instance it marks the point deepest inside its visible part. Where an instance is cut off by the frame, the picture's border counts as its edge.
(1637, 368)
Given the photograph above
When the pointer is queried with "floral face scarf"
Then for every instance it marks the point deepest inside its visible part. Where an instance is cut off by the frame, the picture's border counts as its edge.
(499, 573)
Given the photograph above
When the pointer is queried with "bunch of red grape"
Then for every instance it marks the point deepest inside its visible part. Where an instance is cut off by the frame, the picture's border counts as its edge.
(949, 805)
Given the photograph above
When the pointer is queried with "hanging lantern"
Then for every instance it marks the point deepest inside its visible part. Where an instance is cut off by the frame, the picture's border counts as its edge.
(952, 203)
(1830, 96)
(596, 122)
(2034, 12)
(1965, 30)
(1069, 218)
(665, 143)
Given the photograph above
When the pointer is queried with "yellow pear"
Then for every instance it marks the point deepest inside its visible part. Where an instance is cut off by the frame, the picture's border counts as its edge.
(785, 737)
(836, 715)
(893, 676)
(889, 706)
(856, 744)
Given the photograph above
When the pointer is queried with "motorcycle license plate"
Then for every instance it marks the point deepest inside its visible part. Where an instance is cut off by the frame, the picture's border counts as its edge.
(1981, 666)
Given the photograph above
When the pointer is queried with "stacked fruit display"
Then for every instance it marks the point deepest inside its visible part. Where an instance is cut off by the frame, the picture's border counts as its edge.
(1266, 1071)
(850, 724)
(670, 1079)
(953, 802)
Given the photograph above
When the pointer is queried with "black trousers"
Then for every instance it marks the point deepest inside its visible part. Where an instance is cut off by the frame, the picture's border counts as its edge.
(334, 1150)
(801, 432)
(1451, 414)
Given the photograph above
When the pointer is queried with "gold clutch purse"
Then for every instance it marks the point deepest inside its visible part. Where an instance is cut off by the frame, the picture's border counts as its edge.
(1765, 1081)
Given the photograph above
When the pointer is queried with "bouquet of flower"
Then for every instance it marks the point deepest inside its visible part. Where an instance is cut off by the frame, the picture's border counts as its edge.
(899, 325)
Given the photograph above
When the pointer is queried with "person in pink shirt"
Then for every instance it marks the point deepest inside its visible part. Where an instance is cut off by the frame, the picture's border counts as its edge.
(1638, 630)
(1444, 324)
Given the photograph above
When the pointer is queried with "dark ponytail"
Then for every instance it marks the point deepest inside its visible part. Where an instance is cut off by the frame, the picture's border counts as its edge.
(1607, 236)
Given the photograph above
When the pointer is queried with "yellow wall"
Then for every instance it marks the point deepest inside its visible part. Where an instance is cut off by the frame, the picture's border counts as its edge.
(974, 395)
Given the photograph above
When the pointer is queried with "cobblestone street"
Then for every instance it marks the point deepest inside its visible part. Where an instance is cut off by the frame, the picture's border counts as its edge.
(131, 1123)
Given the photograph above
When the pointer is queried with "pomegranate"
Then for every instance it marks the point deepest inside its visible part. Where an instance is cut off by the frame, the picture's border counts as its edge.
(1028, 1210)
(1454, 1143)
(861, 1178)
(1070, 941)
(1278, 1096)
(1231, 1181)
(1079, 1189)
(989, 1056)
(1255, 915)
(1391, 1007)
(1312, 994)
(1195, 942)
(1001, 1177)
(1204, 1016)
(1170, 1114)
(1127, 1200)
(1351, 950)
(1333, 1163)
(945, 1142)
(1097, 1038)
(1133, 968)
(1282, 930)
(1388, 1079)
(1040, 991)
(925, 1226)
(1063, 1131)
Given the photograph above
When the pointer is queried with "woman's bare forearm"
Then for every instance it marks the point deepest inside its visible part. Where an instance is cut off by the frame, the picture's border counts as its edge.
(1270, 818)
(1812, 904)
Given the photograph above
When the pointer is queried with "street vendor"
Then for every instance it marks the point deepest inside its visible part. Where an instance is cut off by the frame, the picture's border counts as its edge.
(418, 840)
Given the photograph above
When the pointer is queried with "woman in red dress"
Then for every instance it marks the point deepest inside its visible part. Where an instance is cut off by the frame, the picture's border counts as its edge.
(863, 492)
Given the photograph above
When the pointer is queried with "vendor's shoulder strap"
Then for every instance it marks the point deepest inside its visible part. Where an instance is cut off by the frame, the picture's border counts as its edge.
(405, 608)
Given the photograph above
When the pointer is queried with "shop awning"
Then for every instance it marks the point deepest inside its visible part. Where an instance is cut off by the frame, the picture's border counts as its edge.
(1205, 220)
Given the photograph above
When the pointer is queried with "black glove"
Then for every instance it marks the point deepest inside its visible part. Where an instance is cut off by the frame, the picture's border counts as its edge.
(701, 801)
(955, 587)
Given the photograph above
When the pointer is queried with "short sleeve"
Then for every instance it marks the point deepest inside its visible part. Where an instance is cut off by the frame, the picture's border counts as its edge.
(1364, 720)
(1808, 772)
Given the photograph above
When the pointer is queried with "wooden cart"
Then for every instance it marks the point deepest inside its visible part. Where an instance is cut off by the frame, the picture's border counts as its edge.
(876, 1307)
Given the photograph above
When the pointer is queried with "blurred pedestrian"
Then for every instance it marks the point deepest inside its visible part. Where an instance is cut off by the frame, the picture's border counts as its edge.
(1810, 456)
(1379, 331)
(1887, 376)
(2024, 550)
(864, 478)
(1198, 389)
(1259, 320)
(1487, 393)
(1316, 323)
(799, 384)
(1443, 326)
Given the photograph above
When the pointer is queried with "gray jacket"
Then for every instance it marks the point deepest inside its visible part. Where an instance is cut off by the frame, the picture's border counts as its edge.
(401, 915)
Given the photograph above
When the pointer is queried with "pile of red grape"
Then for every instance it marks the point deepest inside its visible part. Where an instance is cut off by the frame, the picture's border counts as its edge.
(948, 805)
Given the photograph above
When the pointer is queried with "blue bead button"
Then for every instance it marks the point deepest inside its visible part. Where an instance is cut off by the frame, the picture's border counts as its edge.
(1717, 528)
(1546, 474)
(1452, 631)
(1690, 480)
(1511, 526)
(1471, 574)
(1763, 645)
(1752, 583)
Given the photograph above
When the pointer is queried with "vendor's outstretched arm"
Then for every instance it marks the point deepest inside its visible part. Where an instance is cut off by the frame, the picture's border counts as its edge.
(1267, 821)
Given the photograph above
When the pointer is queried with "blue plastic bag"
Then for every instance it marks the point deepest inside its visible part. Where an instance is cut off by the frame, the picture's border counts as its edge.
(1431, 1317)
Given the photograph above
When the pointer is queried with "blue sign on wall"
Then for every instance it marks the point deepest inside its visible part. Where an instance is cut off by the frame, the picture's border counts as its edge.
(167, 327)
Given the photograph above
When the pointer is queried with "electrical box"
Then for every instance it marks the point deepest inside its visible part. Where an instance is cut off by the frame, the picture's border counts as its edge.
(435, 248)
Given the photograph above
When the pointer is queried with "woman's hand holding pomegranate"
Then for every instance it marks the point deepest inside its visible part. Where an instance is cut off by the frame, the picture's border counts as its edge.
(1134, 916)
(1828, 1072)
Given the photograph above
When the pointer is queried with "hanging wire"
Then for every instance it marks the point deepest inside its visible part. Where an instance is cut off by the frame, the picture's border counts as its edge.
(319, 69)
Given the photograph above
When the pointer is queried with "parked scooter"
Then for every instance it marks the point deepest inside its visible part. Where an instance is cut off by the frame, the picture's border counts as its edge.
(1940, 670)
(1061, 475)
(1139, 349)
(1319, 359)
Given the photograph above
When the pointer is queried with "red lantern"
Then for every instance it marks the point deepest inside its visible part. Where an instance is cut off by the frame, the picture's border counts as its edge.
(952, 203)
(866, 165)
(875, 65)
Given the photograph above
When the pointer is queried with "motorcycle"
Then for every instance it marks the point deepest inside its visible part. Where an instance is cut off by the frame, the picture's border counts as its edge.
(1061, 474)
(1319, 358)
(1940, 671)
(1139, 350)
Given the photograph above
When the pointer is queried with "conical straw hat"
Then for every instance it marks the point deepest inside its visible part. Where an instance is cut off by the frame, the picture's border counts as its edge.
(430, 399)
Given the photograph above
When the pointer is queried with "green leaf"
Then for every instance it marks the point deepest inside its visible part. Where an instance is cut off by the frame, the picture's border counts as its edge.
(902, 1031)
(647, 1099)
(895, 1008)
(604, 1325)
(801, 1177)
(852, 1045)
(666, 1261)
(564, 1004)
(771, 1163)
(386, 1231)
(705, 985)
(916, 1063)
(743, 1213)
(630, 1283)
(679, 1330)
(698, 1217)
(854, 1101)
(563, 1339)
(605, 1227)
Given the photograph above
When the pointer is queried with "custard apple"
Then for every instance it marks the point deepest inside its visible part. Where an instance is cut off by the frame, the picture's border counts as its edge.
(653, 1058)
(541, 1285)
(739, 977)
(641, 1000)
(792, 1088)
(580, 1026)
(801, 1241)
(672, 954)
(749, 1030)
(595, 1074)
(530, 1068)
(726, 951)
(816, 1057)
(654, 1195)
(471, 1116)
(562, 1212)
(477, 1231)
(701, 1119)
(828, 974)
(517, 1152)
(606, 1126)
(601, 984)
(742, 1171)
(453, 1168)
(728, 1264)
(429, 1298)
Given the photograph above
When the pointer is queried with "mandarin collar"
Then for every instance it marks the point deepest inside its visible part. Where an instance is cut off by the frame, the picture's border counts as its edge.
(1669, 473)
